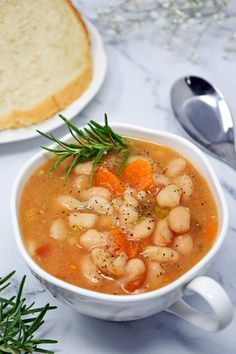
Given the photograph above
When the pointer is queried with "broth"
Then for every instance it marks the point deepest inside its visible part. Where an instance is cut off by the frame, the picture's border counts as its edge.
(134, 233)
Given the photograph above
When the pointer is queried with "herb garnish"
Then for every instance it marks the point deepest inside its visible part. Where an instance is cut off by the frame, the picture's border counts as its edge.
(93, 142)
(19, 322)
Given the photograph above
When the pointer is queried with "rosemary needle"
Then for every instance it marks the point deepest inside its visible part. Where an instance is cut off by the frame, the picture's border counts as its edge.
(93, 142)
(19, 322)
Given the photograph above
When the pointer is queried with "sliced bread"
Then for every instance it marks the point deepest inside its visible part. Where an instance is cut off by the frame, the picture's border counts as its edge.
(45, 61)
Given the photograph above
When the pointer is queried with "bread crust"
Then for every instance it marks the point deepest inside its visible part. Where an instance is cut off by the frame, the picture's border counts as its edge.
(58, 100)
(79, 18)
(49, 106)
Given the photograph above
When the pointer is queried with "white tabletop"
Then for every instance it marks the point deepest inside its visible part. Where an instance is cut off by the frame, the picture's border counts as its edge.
(136, 90)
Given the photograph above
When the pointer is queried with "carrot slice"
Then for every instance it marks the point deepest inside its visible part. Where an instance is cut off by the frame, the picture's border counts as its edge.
(43, 251)
(118, 241)
(138, 174)
(135, 284)
(105, 178)
(210, 229)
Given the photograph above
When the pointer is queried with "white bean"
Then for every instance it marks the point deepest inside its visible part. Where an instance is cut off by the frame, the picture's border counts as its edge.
(161, 179)
(95, 192)
(162, 233)
(99, 205)
(84, 168)
(161, 254)
(84, 220)
(92, 238)
(183, 244)
(137, 157)
(128, 216)
(31, 247)
(186, 184)
(106, 263)
(119, 262)
(179, 219)
(58, 229)
(175, 167)
(89, 270)
(141, 195)
(143, 229)
(70, 203)
(134, 269)
(116, 203)
(81, 182)
(169, 196)
(130, 200)
(131, 191)
(154, 274)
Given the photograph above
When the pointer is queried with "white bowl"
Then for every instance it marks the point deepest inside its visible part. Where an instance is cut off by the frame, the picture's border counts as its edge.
(132, 307)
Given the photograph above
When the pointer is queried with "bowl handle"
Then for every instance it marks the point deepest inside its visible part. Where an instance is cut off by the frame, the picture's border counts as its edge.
(216, 298)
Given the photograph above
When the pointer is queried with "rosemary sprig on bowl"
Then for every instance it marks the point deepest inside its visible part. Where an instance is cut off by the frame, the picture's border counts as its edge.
(19, 322)
(93, 142)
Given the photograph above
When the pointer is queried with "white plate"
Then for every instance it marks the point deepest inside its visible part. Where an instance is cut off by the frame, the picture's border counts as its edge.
(99, 70)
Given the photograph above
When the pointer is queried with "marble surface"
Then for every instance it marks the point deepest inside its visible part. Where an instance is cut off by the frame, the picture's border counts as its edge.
(136, 90)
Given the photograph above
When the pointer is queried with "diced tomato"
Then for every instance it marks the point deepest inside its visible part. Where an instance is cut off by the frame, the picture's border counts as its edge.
(43, 251)
(135, 284)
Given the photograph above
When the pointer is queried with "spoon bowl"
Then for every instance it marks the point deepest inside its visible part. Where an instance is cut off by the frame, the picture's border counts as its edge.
(205, 115)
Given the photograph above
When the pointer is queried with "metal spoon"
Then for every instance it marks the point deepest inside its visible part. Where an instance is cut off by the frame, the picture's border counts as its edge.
(203, 112)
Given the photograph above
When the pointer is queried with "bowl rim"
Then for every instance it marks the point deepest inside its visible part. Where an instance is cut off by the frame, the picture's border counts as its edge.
(178, 283)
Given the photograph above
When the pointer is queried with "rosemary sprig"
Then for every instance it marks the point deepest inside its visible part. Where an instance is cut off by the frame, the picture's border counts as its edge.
(19, 322)
(91, 143)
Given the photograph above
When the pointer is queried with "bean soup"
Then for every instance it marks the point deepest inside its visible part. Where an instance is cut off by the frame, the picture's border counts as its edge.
(126, 234)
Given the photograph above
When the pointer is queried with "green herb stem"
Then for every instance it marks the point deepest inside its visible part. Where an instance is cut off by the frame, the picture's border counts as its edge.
(92, 143)
(19, 322)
